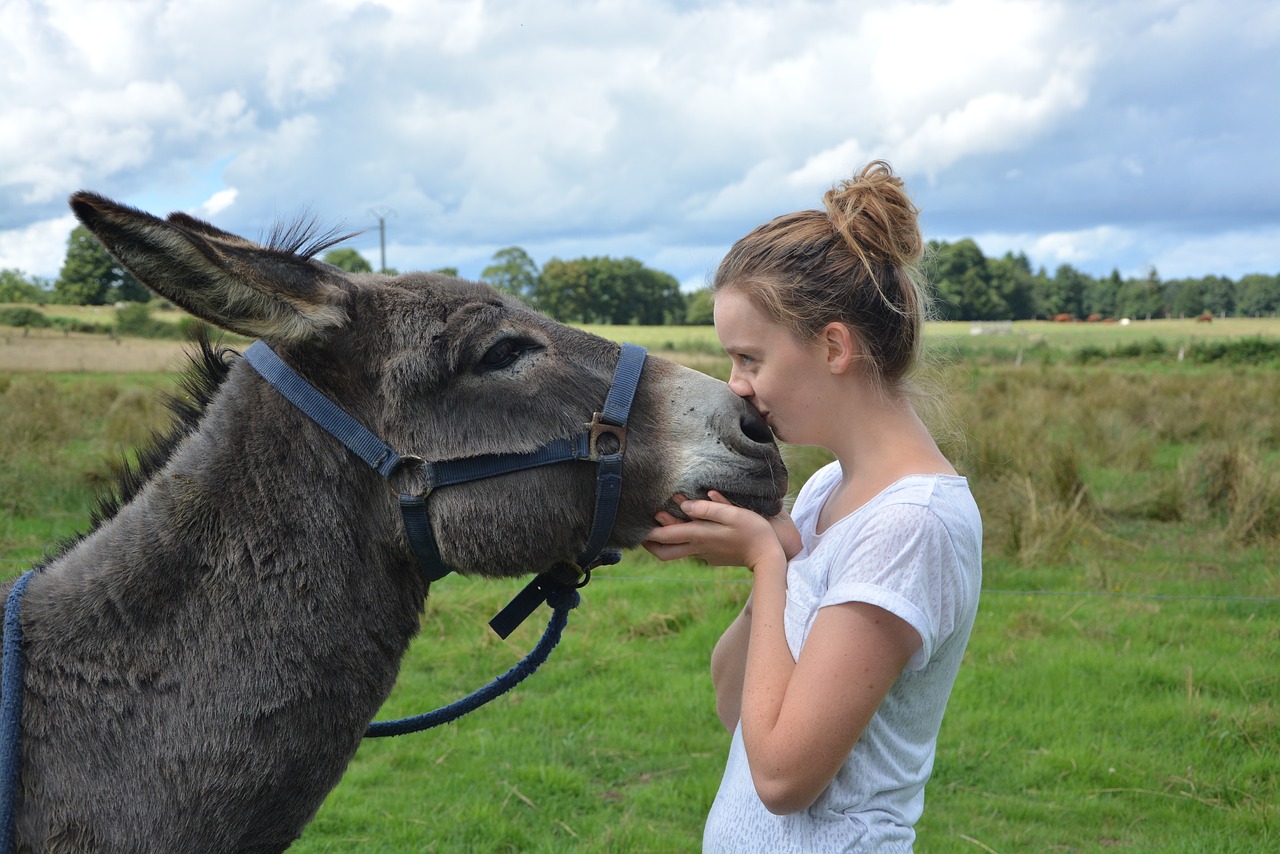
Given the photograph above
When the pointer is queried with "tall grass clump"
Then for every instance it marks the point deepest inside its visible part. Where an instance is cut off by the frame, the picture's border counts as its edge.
(1234, 486)
(1056, 455)
(64, 440)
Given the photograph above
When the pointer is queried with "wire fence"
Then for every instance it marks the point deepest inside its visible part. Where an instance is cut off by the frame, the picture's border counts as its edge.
(986, 591)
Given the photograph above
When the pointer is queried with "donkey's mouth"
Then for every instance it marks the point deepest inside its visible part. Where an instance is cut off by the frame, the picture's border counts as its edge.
(765, 506)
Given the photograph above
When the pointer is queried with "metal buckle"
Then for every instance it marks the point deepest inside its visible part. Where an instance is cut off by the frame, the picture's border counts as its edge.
(410, 477)
(600, 428)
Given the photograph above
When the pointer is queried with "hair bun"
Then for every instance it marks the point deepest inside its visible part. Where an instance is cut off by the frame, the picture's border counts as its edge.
(876, 217)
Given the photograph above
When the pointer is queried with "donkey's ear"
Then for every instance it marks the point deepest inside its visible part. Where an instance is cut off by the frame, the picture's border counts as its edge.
(231, 282)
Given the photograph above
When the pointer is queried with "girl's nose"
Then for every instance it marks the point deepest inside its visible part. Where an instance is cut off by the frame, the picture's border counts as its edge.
(738, 385)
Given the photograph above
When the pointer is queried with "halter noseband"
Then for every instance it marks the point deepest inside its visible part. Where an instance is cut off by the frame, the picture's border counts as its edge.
(586, 446)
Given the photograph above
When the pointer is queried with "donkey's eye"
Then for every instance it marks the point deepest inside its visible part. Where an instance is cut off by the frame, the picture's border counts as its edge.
(504, 353)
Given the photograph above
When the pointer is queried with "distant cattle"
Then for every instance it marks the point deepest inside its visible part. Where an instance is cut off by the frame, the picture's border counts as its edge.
(1206, 317)
(1064, 318)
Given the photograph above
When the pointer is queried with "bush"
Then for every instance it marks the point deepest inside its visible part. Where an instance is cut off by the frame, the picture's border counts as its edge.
(21, 315)
(1245, 351)
(70, 324)
(135, 319)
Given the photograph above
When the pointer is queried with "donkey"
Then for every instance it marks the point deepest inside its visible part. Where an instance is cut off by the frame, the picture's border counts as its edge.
(201, 666)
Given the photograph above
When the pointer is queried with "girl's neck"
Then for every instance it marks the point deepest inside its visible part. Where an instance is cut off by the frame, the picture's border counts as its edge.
(885, 442)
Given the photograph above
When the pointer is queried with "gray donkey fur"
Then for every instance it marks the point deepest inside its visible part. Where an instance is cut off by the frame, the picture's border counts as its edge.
(201, 666)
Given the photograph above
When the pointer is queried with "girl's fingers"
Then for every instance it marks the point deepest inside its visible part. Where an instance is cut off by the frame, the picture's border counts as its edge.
(665, 551)
(713, 511)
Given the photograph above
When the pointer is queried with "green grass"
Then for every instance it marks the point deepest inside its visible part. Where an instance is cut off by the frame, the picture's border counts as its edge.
(1119, 692)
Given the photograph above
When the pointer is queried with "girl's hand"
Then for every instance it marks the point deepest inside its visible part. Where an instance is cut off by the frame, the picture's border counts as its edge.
(718, 532)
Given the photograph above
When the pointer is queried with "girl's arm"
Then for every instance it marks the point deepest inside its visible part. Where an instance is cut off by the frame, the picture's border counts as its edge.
(800, 719)
(729, 666)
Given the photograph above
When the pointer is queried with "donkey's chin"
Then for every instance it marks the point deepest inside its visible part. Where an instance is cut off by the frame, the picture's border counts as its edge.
(767, 506)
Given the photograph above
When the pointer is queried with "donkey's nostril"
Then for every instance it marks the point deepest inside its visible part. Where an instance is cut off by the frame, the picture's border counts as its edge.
(754, 428)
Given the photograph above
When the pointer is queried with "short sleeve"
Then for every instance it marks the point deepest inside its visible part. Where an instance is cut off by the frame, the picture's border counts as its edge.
(903, 560)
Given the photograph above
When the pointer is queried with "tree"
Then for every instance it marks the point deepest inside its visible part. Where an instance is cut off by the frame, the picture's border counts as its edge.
(965, 288)
(447, 271)
(1142, 297)
(1184, 297)
(1065, 293)
(512, 272)
(608, 290)
(656, 298)
(1012, 280)
(90, 276)
(347, 259)
(1101, 296)
(1258, 295)
(563, 290)
(15, 287)
(700, 308)
(1219, 295)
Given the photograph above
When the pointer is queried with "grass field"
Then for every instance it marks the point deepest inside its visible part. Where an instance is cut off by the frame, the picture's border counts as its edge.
(1120, 691)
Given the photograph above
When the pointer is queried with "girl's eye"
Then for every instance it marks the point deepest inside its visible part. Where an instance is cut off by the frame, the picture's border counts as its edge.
(504, 353)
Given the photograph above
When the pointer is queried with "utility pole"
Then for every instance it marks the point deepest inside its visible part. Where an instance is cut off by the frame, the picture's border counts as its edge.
(382, 214)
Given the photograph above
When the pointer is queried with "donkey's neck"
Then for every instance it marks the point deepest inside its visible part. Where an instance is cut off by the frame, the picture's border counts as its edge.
(247, 611)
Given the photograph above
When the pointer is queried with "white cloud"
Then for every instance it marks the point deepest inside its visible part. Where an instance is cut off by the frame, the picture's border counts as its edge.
(1234, 253)
(989, 122)
(826, 167)
(1084, 248)
(37, 249)
(1080, 247)
(219, 202)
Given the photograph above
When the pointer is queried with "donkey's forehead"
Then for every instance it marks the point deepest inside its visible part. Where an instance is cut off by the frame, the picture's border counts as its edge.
(417, 302)
(414, 290)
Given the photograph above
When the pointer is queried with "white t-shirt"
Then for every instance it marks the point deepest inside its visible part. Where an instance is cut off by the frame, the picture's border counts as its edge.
(916, 551)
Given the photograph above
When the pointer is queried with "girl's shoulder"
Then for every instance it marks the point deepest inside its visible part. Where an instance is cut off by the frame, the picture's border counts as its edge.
(944, 497)
(917, 499)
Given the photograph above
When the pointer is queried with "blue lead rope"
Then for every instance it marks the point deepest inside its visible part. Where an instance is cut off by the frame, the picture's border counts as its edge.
(11, 709)
(561, 601)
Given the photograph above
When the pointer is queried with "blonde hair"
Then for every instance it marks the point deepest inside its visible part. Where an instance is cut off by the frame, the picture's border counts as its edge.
(856, 263)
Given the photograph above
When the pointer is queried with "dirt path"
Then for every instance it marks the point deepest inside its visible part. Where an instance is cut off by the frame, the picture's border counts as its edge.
(52, 351)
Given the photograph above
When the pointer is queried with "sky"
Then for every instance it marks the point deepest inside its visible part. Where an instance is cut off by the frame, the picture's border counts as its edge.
(1105, 134)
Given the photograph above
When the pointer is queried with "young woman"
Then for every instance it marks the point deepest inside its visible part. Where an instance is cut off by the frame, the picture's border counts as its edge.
(835, 675)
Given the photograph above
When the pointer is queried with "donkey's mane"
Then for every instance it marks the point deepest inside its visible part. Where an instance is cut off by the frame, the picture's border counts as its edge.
(305, 236)
(208, 365)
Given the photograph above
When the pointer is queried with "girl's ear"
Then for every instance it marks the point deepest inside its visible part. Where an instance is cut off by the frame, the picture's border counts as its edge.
(841, 346)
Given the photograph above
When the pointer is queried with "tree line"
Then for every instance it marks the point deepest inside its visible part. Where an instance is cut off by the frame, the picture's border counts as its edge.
(966, 285)
(969, 286)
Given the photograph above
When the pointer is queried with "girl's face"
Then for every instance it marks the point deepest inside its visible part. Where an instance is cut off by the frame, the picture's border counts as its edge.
(777, 374)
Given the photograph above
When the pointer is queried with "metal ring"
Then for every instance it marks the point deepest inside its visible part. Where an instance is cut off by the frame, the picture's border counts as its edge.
(603, 428)
(409, 467)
